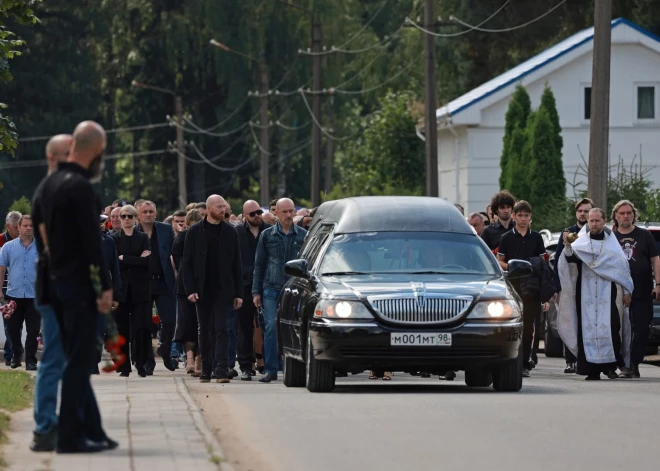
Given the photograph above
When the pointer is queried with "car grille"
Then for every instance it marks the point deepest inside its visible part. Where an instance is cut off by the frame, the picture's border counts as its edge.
(416, 310)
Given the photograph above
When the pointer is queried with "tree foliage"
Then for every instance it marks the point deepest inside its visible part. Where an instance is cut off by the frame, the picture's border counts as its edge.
(388, 158)
(22, 205)
(11, 11)
(516, 118)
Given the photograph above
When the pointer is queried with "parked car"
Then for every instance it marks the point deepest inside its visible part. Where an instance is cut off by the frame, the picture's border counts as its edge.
(398, 284)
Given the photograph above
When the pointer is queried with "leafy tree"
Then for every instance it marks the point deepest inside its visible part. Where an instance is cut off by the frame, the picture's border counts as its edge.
(547, 185)
(13, 11)
(516, 117)
(21, 205)
(388, 157)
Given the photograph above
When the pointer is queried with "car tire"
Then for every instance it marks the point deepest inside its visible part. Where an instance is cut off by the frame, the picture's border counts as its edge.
(294, 373)
(319, 375)
(507, 376)
(478, 378)
(651, 350)
(554, 347)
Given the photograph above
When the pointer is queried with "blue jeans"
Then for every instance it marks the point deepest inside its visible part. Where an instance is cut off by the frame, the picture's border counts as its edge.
(271, 357)
(233, 335)
(49, 372)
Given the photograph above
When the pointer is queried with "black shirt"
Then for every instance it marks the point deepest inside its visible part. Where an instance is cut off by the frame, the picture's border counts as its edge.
(639, 247)
(493, 233)
(249, 251)
(516, 246)
(212, 280)
(66, 203)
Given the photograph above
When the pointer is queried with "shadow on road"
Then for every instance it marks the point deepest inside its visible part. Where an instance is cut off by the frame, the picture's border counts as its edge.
(436, 389)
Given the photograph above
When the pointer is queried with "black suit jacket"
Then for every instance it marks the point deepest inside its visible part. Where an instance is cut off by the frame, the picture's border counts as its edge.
(134, 270)
(248, 252)
(194, 262)
(177, 256)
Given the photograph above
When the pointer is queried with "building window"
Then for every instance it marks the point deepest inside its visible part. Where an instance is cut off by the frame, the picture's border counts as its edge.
(645, 102)
(587, 103)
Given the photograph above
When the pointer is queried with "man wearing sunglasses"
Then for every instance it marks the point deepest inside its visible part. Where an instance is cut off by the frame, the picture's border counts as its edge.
(248, 234)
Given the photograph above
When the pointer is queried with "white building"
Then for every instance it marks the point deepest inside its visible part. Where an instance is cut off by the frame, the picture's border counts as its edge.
(471, 128)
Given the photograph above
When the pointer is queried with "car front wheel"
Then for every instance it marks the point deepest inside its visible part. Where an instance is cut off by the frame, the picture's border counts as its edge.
(320, 376)
(478, 378)
(507, 376)
(294, 373)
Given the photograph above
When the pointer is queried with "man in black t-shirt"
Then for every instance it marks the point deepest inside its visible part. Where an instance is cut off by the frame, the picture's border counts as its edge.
(522, 243)
(640, 249)
(502, 203)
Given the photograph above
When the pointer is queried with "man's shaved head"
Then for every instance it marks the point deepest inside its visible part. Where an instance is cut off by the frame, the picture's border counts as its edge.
(214, 199)
(57, 150)
(250, 205)
(89, 136)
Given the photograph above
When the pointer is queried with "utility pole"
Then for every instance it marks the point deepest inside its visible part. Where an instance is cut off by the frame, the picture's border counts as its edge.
(329, 149)
(430, 101)
(183, 187)
(316, 110)
(600, 105)
(264, 174)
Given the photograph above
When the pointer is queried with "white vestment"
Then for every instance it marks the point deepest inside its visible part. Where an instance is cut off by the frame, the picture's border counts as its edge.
(598, 274)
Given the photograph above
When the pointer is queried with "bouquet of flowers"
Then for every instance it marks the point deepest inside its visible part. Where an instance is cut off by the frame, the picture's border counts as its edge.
(114, 341)
(7, 308)
(155, 318)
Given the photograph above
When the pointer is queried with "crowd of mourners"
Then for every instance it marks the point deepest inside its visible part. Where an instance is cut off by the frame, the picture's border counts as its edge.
(205, 283)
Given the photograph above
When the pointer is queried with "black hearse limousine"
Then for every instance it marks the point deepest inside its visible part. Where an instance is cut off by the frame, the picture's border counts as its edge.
(398, 284)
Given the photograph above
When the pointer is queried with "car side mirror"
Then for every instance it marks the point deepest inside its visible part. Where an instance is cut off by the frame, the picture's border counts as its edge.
(297, 268)
(519, 269)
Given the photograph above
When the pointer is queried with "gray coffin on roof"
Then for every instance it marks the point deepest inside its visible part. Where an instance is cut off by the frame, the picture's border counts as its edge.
(392, 213)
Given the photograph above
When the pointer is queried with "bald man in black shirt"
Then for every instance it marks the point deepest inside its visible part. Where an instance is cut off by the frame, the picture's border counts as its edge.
(63, 200)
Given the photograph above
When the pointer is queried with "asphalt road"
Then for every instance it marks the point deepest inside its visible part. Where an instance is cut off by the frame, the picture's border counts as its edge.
(557, 422)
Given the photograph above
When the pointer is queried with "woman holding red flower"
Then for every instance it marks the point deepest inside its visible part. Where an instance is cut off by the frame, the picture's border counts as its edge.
(134, 312)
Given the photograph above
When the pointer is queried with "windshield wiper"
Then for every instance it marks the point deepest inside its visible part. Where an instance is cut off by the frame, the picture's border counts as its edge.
(438, 272)
(340, 273)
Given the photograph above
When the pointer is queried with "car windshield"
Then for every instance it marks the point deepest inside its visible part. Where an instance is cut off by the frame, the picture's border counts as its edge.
(408, 252)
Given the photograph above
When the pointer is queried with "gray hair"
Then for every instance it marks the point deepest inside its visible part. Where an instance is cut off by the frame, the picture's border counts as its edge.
(13, 218)
(483, 219)
(619, 205)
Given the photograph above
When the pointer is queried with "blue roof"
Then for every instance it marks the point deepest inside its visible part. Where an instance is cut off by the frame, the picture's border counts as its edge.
(514, 75)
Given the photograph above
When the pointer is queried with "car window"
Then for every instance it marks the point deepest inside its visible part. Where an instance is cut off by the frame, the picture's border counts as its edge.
(312, 248)
(406, 252)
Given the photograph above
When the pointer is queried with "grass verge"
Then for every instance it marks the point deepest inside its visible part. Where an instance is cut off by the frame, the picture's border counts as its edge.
(16, 393)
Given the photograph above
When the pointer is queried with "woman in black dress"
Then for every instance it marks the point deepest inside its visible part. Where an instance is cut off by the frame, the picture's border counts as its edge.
(134, 312)
(186, 315)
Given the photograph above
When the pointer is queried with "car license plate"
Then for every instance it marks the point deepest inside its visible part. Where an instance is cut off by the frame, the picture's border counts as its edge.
(420, 339)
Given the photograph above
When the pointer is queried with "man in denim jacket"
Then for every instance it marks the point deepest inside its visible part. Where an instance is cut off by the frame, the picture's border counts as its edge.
(277, 245)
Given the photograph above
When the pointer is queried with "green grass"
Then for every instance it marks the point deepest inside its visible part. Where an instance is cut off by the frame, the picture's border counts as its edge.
(16, 389)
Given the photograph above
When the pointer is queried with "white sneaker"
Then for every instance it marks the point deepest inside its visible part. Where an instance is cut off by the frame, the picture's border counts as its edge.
(525, 373)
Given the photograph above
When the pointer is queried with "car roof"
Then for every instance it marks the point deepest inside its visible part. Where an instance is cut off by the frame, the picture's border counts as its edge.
(392, 213)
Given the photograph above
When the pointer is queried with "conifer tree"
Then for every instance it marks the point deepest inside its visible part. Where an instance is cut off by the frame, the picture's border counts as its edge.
(516, 116)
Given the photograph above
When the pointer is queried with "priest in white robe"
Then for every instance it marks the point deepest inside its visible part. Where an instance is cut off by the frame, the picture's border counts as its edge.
(596, 285)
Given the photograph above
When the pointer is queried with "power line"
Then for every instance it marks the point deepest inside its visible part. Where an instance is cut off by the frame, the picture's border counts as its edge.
(460, 33)
(335, 49)
(323, 130)
(504, 30)
(42, 162)
(222, 154)
(366, 25)
(217, 167)
(108, 131)
(199, 130)
(231, 115)
(376, 87)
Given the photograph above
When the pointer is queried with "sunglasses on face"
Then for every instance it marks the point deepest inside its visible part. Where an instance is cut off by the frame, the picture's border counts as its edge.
(125, 216)
(258, 212)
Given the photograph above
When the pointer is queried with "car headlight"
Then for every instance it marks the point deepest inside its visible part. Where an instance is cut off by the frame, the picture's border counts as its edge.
(498, 309)
(342, 310)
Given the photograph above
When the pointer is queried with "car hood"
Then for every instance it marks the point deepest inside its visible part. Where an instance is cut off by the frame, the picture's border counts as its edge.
(355, 287)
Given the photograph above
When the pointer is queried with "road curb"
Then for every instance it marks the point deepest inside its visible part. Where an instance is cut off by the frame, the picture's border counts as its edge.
(212, 443)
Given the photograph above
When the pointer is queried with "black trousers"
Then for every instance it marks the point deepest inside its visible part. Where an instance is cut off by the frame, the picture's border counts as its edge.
(133, 322)
(75, 306)
(24, 312)
(531, 311)
(641, 315)
(245, 319)
(212, 320)
(166, 306)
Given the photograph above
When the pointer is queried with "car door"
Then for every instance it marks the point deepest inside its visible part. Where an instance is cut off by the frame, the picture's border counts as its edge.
(300, 292)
